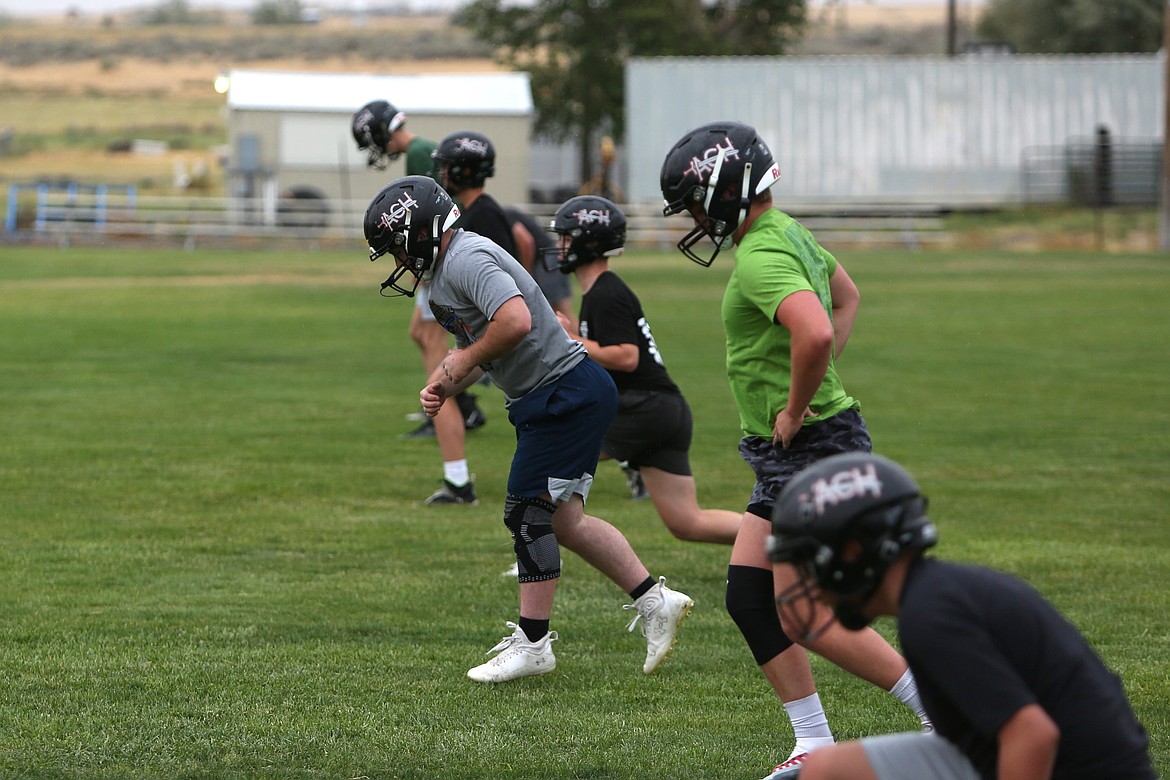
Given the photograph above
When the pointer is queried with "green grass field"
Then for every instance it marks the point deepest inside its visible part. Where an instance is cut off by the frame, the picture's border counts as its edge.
(214, 562)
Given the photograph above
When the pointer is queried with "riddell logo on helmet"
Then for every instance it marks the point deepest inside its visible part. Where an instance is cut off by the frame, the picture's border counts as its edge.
(592, 216)
(843, 486)
(473, 145)
(702, 167)
(397, 212)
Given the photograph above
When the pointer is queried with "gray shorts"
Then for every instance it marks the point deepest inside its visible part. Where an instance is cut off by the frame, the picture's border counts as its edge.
(774, 465)
(914, 756)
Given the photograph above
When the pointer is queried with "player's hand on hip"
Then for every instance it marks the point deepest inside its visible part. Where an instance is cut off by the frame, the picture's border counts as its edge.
(787, 426)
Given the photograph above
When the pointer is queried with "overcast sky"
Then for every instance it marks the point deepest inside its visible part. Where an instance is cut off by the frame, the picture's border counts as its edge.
(42, 7)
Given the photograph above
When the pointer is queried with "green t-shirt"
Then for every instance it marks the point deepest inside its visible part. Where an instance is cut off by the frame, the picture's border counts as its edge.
(776, 258)
(418, 156)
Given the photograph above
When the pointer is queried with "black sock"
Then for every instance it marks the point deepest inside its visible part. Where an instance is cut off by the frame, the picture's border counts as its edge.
(640, 591)
(533, 629)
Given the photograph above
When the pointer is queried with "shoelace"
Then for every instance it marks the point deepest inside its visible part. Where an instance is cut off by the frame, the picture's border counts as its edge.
(795, 761)
(507, 641)
(661, 582)
(637, 617)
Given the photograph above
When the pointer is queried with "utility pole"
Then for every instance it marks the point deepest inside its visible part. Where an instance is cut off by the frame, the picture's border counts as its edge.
(952, 29)
(1164, 221)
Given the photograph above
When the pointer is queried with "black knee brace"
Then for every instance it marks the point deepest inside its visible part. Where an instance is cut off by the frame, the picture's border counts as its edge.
(538, 556)
(752, 605)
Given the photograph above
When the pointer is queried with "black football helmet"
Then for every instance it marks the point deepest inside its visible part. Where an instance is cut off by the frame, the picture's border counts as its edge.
(842, 522)
(410, 213)
(372, 125)
(468, 157)
(595, 226)
(719, 167)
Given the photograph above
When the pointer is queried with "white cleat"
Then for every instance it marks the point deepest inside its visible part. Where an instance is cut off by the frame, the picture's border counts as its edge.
(661, 611)
(790, 768)
(517, 658)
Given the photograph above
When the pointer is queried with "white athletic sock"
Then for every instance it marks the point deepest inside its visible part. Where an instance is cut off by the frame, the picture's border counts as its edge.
(455, 472)
(809, 724)
(906, 691)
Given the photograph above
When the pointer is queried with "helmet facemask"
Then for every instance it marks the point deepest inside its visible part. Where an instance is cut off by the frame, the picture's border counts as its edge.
(376, 155)
(800, 606)
(417, 264)
(710, 224)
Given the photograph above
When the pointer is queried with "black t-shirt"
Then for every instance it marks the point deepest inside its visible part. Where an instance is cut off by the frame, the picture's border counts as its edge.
(540, 234)
(612, 314)
(485, 217)
(984, 644)
(554, 284)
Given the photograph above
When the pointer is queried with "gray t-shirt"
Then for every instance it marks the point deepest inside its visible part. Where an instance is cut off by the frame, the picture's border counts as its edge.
(471, 281)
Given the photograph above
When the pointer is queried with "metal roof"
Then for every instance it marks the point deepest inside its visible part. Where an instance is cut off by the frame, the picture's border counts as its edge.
(439, 93)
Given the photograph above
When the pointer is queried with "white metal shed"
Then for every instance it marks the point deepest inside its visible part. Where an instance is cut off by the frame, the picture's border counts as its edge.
(288, 129)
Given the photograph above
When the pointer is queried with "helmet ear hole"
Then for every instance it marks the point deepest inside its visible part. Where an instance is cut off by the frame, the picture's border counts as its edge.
(851, 552)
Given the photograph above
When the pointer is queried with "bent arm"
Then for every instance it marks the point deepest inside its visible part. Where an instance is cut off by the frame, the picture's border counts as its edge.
(846, 300)
(1027, 745)
(812, 339)
(525, 246)
(611, 357)
(510, 324)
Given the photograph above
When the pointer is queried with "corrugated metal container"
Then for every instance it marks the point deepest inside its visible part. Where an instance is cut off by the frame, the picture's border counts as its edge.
(926, 130)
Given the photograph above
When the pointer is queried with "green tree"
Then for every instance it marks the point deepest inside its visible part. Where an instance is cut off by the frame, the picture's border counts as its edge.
(177, 12)
(170, 12)
(1074, 26)
(278, 12)
(576, 50)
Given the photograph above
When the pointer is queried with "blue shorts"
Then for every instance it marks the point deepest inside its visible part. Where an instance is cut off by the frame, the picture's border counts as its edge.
(558, 433)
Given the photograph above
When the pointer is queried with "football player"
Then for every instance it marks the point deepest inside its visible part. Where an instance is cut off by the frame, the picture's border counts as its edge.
(379, 128)
(1012, 688)
(787, 311)
(559, 400)
(653, 426)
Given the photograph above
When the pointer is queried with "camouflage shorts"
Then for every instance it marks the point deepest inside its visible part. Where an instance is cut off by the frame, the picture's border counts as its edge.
(774, 466)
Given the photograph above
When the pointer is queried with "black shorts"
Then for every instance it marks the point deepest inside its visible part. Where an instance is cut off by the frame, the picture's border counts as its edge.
(651, 429)
(774, 466)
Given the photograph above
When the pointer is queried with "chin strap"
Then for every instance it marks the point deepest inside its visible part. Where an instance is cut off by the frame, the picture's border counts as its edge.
(745, 197)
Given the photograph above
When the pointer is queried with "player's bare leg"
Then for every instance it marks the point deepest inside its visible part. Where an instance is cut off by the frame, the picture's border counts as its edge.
(677, 504)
